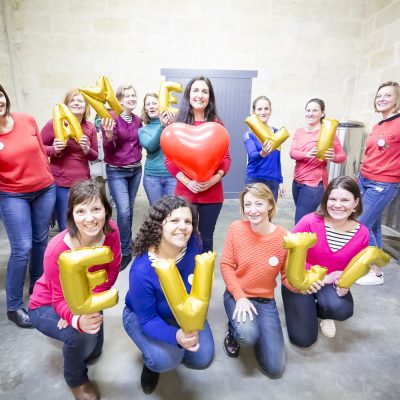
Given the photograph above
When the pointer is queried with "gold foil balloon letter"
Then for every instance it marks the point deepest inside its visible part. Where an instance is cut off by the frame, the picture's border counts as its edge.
(263, 133)
(326, 136)
(99, 95)
(359, 265)
(77, 283)
(65, 124)
(165, 98)
(190, 311)
(298, 245)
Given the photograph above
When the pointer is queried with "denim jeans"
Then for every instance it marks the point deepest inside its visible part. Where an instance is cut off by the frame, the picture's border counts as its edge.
(124, 184)
(208, 215)
(158, 186)
(159, 356)
(264, 332)
(302, 312)
(272, 184)
(79, 347)
(306, 198)
(26, 218)
(376, 196)
(61, 207)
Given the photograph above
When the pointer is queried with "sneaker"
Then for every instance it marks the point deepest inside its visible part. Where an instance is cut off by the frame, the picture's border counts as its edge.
(328, 328)
(370, 279)
(149, 380)
(125, 261)
(231, 346)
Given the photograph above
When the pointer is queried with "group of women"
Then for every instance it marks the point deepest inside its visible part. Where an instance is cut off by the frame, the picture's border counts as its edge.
(180, 227)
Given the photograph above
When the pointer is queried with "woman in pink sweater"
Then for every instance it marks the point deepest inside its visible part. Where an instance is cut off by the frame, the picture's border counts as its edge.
(339, 238)
(310, 176)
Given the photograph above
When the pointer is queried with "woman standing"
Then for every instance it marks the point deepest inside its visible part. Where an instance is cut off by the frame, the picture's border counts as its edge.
(252, 258)
(123, 154)
(168, 232)
(89, 224)
(157, 180)
(198, 106)
(310, 176)
(340, 237)
(379, 178)
(27, 196)
(263, 165)
(69, 161)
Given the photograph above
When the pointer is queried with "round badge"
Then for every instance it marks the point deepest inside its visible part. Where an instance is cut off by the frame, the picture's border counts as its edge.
(190, 279)
(1, 145)
(273, 261)
(381, 142)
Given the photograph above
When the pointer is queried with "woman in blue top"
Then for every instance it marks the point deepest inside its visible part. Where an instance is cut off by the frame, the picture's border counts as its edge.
(263, 165)
(157, 181)
(168, 232)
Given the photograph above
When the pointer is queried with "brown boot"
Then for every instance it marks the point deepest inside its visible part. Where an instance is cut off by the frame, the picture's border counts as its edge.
(85, 392)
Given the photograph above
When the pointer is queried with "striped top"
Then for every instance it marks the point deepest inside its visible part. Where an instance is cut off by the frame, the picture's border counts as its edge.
(153, 257)
(336, 240)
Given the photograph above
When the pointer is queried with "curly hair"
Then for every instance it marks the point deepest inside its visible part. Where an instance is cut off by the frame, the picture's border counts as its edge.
(150, 232)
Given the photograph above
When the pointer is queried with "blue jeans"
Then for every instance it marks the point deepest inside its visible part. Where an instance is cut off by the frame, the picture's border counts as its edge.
(306, 198)
(208, 215)
(376, 196)
(302, 312)
(272, 184)
(79, 347)
(159, 356)
(61, 207)
(124, 184)
(158, 186)
(26, 218)
(264, 332)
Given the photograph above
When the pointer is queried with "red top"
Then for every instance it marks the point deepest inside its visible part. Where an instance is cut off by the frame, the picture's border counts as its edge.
(382, 154)
(24, 166)
(71, 164)
(215, 194)
(311, 171)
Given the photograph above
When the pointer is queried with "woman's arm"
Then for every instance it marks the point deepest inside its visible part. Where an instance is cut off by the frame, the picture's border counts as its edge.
(48, 136)
(92, 153)
(150, 137)
(339, 154)
(295, 152)
(251, 147)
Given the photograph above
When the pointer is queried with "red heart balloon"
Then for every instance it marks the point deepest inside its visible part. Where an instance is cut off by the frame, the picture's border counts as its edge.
(196, 150)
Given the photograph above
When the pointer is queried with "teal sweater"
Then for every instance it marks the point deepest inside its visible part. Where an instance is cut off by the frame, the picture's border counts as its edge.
(149, 137)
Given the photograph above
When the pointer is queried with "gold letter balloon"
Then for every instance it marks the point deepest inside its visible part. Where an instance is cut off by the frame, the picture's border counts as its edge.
(263, 133)
(359, 265)
(190, 311)
(326, 136)
(165, 98)
(77, 283)
(65, 124)
(100, 94)
(298, 245)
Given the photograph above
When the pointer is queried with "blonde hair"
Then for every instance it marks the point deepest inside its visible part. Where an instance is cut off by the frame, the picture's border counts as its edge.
(68, 98)
(144, 116)
(261, 191)
(396, 90)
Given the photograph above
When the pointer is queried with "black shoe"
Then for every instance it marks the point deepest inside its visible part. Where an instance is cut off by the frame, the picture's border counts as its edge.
(20, 317)
(125, 262)
(231, 346)
(149, 380)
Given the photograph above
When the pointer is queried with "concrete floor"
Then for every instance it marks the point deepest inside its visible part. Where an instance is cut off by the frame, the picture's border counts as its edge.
(362, 362)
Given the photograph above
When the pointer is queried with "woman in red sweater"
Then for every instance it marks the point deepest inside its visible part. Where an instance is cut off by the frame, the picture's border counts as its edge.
(27, 196)
(69, 161)
(198, 106)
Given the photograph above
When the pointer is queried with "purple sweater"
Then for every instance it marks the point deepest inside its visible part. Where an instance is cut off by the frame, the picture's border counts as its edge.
(321, 254)
(124, 148)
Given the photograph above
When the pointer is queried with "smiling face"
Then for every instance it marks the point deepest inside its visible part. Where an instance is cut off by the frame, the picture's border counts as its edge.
(3, 105)
(341, 204)
(199, 96)
(313, 114)
(263, 110)
(386, 100)
(128, 100)
(255, 209)
(151, 106)
(77, 105)
(177, 229)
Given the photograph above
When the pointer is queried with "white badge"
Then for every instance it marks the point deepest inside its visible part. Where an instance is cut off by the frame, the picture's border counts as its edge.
(381, 142)
(1, 145)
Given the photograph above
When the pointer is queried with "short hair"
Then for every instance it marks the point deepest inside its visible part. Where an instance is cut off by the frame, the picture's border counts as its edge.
(83, 192)
(121, 89)
(346, 183)
(150, 233)
(396, 87)
(261, 191)
(256, 100)
(144, 115)
(70, 95)
(8, 104)
(320, 102)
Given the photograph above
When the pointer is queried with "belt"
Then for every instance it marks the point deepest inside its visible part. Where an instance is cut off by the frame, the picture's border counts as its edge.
(262, 300)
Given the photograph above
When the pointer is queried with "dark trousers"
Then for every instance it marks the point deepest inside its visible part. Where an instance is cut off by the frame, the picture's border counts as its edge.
(306, 198)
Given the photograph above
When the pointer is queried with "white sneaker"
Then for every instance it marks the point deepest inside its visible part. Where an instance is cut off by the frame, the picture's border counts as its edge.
(328, 328)
(370, 279)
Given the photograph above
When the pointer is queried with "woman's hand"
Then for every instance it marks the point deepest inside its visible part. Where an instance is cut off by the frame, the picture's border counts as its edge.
(266, 148)
(314, 287)
(194, 186)
(62, 324)
(211, 182)
(341, 291)
(329, 154)
(243, 307)
(166, 118)
(59, 145)
(281, 190)
(189, 341)
(108, 125)
(84, 143)
(90, 323)
(312, 153)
